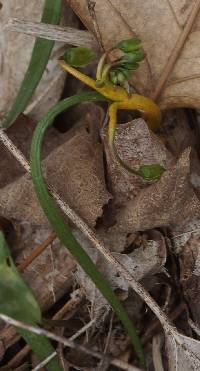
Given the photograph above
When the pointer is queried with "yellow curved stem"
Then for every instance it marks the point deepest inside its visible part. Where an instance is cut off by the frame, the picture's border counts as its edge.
(79, 75)
(121, 100)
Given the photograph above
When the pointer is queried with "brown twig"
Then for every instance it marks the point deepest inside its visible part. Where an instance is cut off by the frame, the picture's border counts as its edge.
(36, 252)
(18, 358)
(64, 341)
(176, 52)
(76, 298)
(73, 337)
(91, 8)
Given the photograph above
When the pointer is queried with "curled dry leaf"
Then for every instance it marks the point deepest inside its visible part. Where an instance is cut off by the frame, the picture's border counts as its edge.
(15, 53)
(167, 202)
(142, 262)
(75, 169)
(183, 352)
(136, 146)
(158, 24)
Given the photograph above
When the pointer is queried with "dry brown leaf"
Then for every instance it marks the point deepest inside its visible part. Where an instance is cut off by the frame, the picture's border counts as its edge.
(186, 245)
(189, 260)
(167, 202)
(158, 24)
(183, 232)
(75, 169)
(52, 270)
(183, 352)
(136, 146)
(21, 134)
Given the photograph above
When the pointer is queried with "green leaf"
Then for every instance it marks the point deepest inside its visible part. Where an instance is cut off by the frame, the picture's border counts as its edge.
(135, 57)
(119, 75)
(122, 70)
(79, 57)
(113, 77)
(40, 56)
(129, 45)
(150, 172)
(131, 66)
(18, 302)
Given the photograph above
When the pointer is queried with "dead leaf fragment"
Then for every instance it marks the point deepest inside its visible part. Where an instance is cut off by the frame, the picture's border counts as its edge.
(167, 202)
(142, 262)
(189, 260)
(183, 352)
(158, 24)
(52, 270)
(75, 169)
(21, 134)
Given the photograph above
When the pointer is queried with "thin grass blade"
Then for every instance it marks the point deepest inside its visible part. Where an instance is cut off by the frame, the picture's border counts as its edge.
(40, 56)
(61, 227)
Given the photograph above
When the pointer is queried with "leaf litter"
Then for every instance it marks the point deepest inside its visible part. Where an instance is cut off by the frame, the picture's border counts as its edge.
(135, 205)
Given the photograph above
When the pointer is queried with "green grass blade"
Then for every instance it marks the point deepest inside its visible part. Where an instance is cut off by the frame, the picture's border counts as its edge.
(18, 302)
(40, 56)
(62, 229)
(42, 347)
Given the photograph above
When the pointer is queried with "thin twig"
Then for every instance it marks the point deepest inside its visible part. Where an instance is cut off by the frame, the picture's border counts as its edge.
(18, 358)
(102, 364)
(67, 35)
(64, 341)
(90, 234)
(77, 297)
(36, 252)
(91, 8)
(73, 337)
(14, 150)
(176, 51)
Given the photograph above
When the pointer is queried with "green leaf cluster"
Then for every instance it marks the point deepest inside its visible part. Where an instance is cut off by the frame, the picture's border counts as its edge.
(133, 55)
